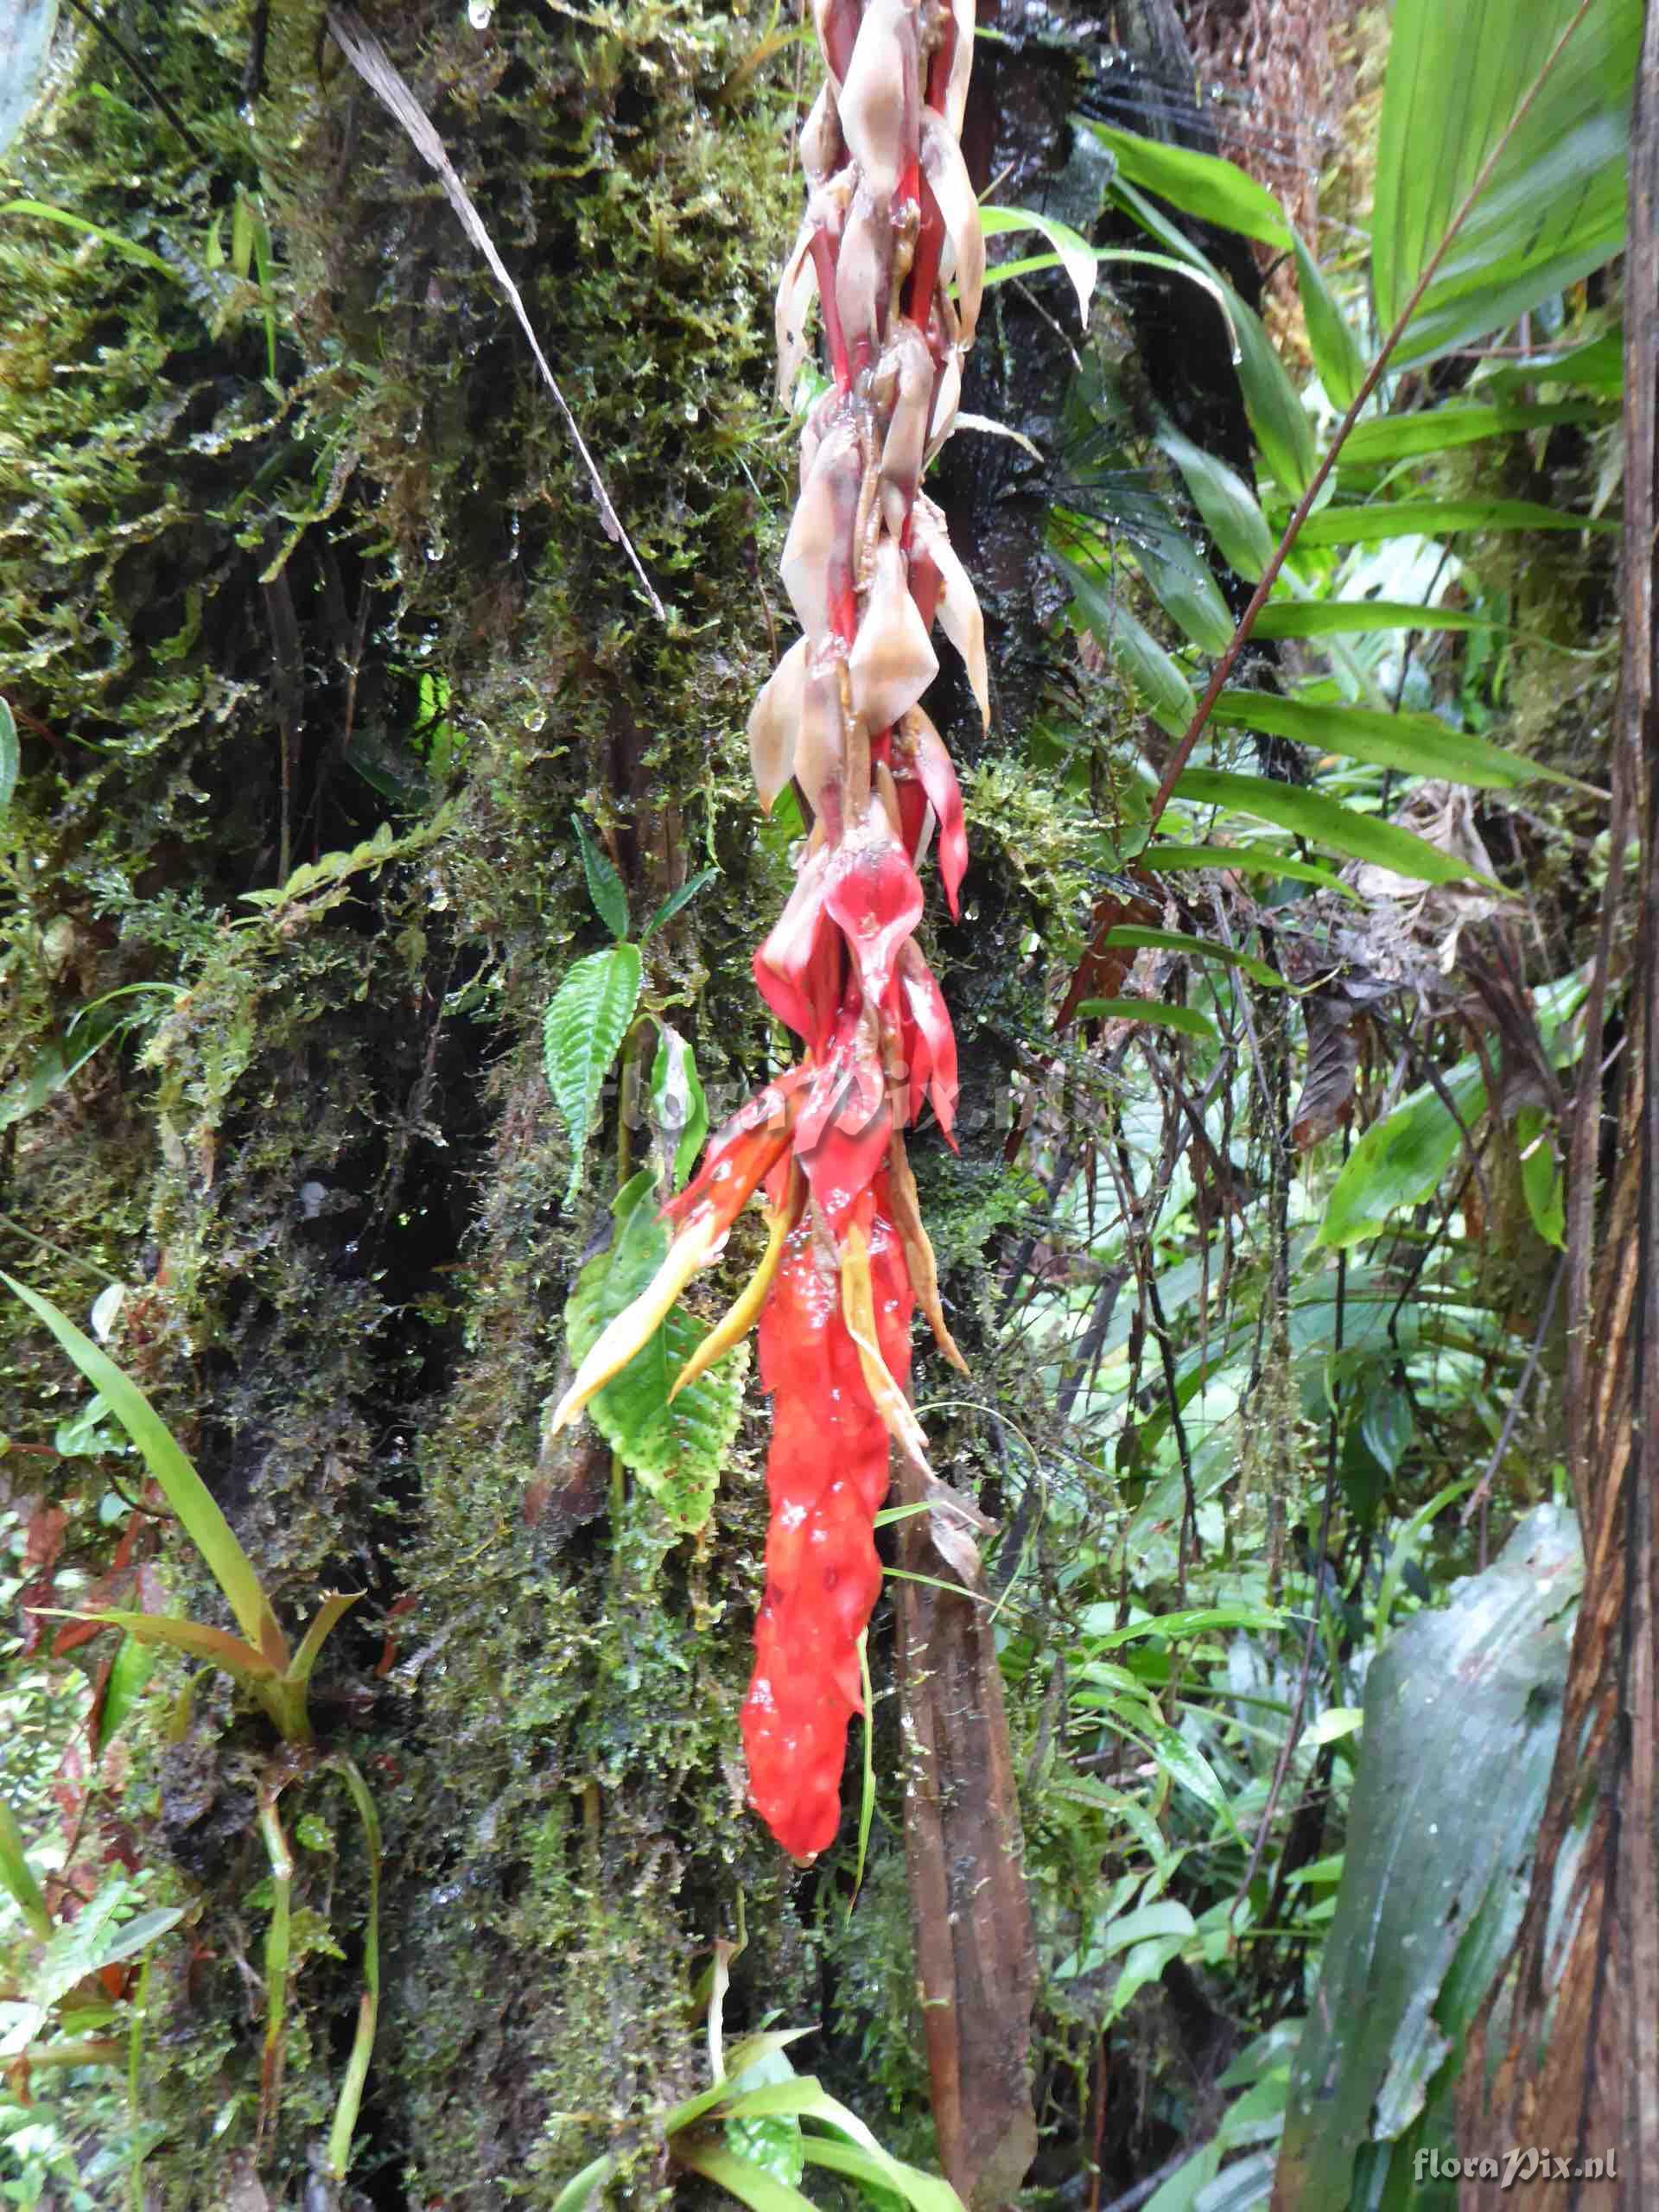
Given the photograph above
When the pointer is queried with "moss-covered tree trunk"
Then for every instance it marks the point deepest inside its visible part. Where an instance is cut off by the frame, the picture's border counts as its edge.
(297, 563)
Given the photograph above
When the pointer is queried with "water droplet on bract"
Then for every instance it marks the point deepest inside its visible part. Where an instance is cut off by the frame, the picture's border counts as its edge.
(479, 13)
(536, 719)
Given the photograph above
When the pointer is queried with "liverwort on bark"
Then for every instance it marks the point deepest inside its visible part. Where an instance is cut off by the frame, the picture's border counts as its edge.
(890, 246)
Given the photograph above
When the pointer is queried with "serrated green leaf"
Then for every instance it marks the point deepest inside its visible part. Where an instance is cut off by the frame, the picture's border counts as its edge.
(96, 1938)
(1187, 1019)
(1323, 821)
(1417, 744)
(604, 884)
(676, 1450)
(1336, 351)
(589, 1015)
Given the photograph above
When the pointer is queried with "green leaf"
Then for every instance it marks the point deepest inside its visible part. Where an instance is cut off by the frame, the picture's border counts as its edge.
(129, 1673)
(1168, 695)
(671, 905)
(1186, 590)
(1541, 1174)
(183, 1488)
(1336, 351)
(1373, 524)
(677, 1450)
(584, 2187)
(1402, 1160)
(1597, 365)
(604, 884)
(1323, 821)
(1231, 511)
(589, 1015)
(1187, 1019)
(18, 1876)
(1247, 859)
(1274, 406)
(195, 1638)
(1198, 948)
(1186, 1767)
(773, 2145)
(1289, 617)
(1417, 744)
(114, 239)
(1072, 251)
(865, 2160)
(1276, 414)
(97, 1938)
(335, 1605)
(677, 1096)
(10, 757)
(1385, 1425)
(1442, 429)
(1166, 1917)
(1546, 89)
(1187, 1620)
(1462, 1711)
(1204, 185)
(750, 2184)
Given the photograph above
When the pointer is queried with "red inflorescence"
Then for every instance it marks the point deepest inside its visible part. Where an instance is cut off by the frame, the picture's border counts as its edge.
(826, 1476)
(891, 245)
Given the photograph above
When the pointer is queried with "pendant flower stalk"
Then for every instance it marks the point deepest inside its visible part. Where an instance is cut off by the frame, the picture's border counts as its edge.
(892, 249)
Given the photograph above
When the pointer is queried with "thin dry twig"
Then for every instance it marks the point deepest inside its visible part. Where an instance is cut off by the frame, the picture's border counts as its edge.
(368, 57)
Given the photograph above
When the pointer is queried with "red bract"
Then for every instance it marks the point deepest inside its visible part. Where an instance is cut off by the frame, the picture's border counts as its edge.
(893, 248)
(826, 1476)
